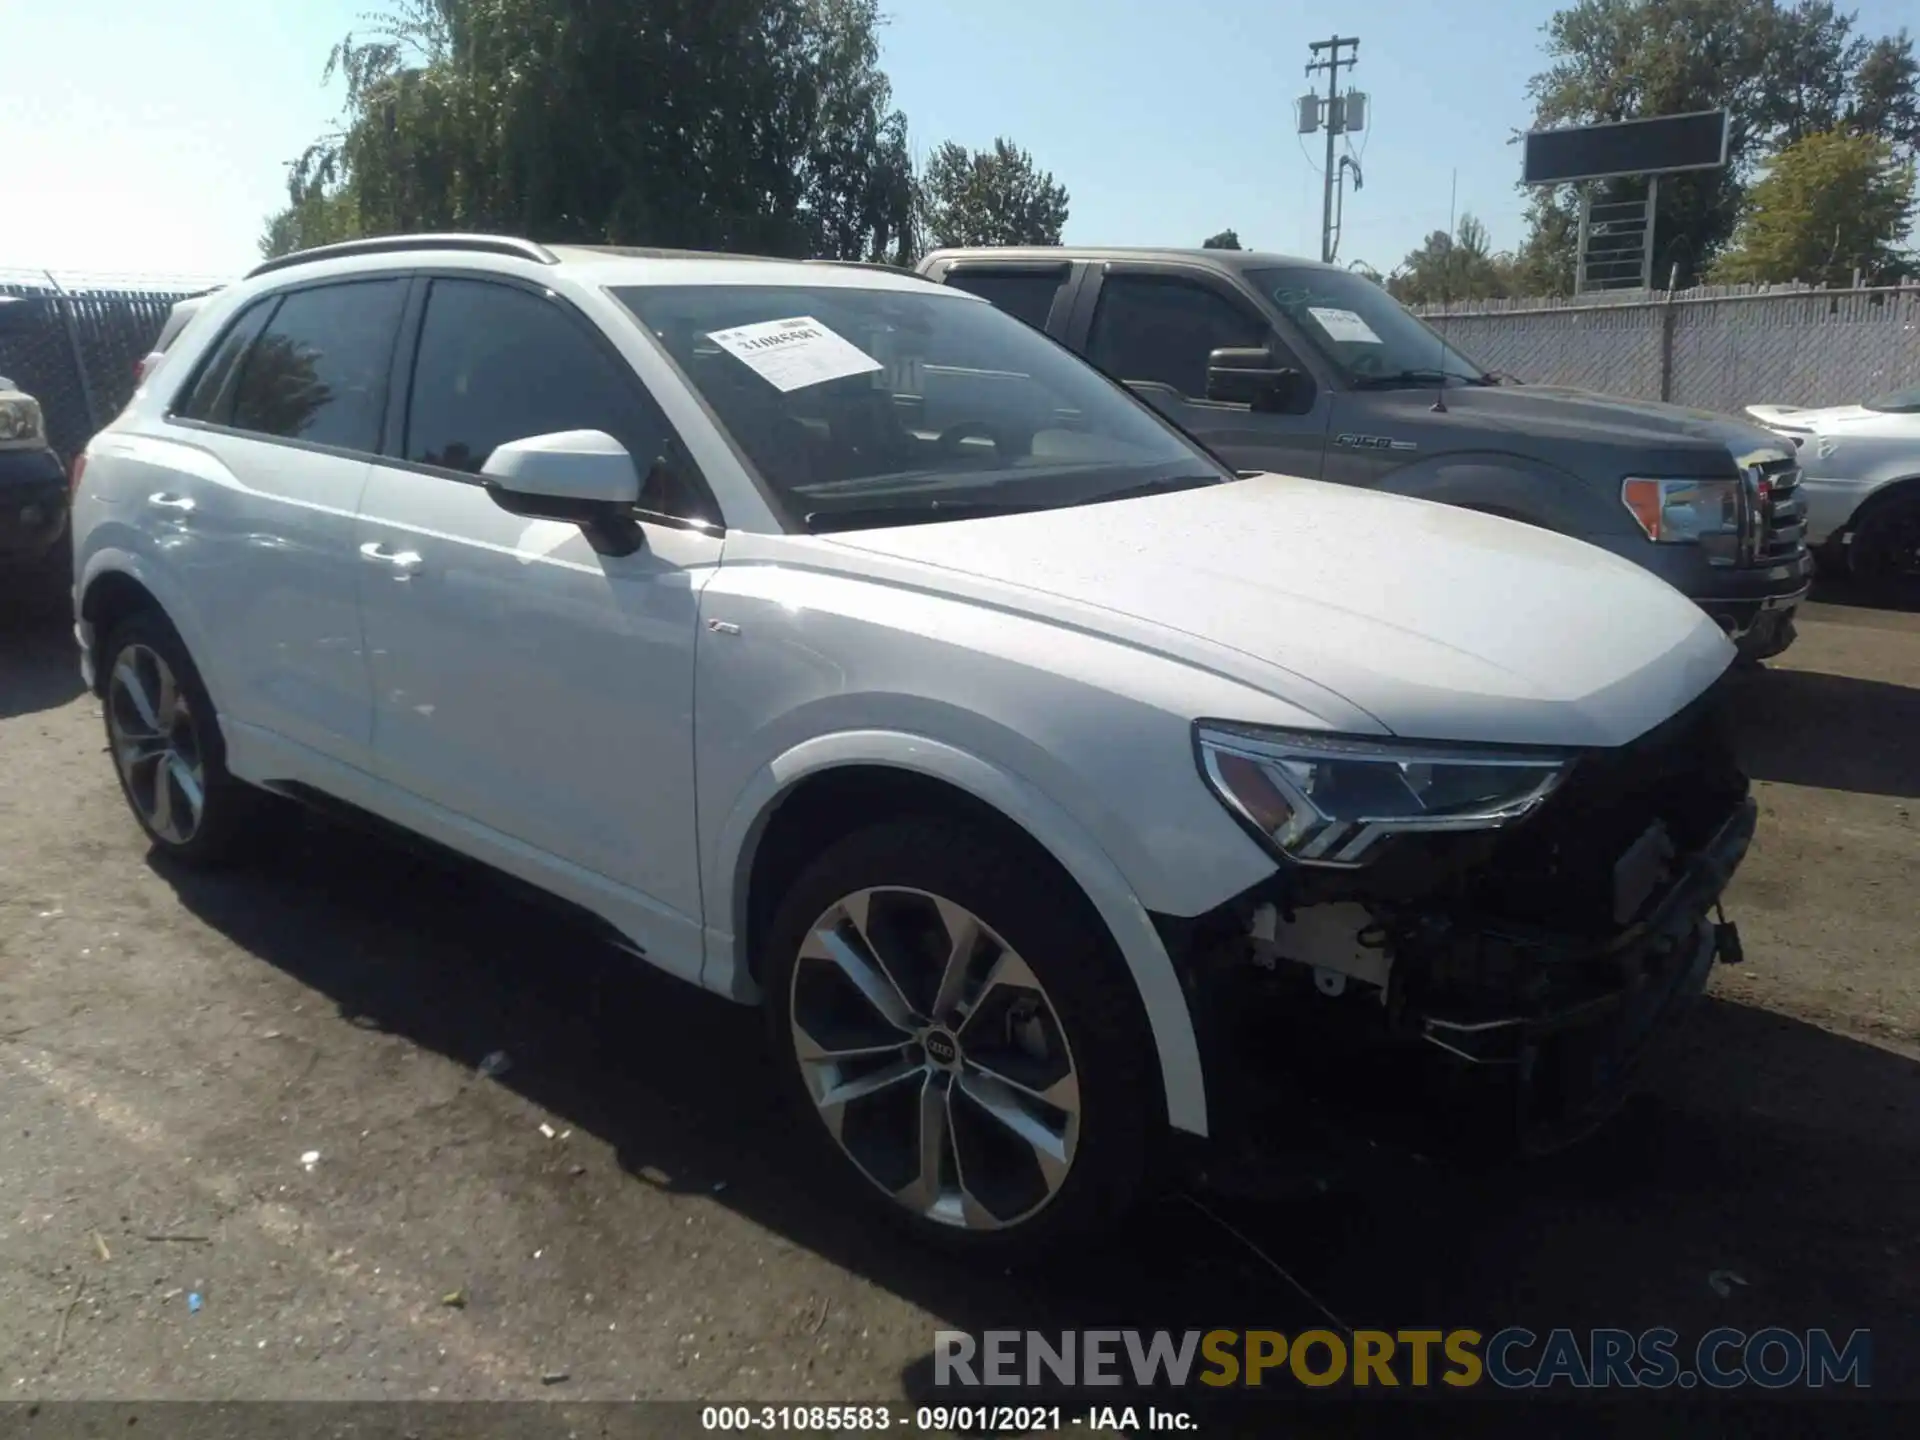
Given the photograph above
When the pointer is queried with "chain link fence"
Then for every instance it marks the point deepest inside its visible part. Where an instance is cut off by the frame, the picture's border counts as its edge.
(1715, 348)
(73, 346)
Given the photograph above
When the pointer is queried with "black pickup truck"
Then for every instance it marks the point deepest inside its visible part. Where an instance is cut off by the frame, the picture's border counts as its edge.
(33, 483)
(1306, 369)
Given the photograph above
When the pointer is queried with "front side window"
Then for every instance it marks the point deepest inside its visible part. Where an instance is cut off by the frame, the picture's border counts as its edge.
(319, 370)
(865, 407)
(1160, 329)
(497, 363)
(1370, 337)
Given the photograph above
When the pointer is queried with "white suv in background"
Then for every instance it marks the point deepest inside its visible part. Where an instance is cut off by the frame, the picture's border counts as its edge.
(842, 645)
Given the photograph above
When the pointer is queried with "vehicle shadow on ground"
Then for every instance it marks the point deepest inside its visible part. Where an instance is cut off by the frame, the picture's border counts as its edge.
(1830, 588)
(1766, 1149)
(39, 669)
(1834, 732)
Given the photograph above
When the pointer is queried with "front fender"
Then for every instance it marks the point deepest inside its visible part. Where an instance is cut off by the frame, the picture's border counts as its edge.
(1126, 919)
(1520, 489)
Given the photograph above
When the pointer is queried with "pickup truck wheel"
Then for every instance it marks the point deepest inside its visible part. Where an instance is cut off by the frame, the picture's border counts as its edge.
(970, 1050)
(166, 746)
(1885, 553)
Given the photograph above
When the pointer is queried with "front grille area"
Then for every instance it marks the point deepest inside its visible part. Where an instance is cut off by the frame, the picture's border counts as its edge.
(1555, 872)
(1785, 512)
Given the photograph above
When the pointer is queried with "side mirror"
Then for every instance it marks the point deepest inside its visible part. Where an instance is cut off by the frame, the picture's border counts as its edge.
(1249, 377)
(582, 476)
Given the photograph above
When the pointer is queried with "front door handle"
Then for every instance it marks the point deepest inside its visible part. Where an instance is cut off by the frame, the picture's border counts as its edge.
(403, 562)
(164, 500)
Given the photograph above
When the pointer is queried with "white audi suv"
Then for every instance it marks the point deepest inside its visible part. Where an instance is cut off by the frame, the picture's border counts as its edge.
(840, 644)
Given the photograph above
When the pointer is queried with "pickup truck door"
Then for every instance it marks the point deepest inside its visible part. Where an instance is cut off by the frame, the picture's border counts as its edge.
(1152, 325)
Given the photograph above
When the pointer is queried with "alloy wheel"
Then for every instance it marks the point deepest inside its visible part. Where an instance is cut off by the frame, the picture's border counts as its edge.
(935, 1058)
(156, 744)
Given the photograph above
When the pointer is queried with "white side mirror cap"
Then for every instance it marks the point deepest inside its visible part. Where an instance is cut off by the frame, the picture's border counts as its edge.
(587, 465)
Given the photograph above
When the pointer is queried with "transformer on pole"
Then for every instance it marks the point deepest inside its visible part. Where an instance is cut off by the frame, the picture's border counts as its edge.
(1338, 115)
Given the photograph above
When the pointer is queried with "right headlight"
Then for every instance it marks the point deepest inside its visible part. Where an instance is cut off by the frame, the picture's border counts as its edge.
(1328, 800)
(1684, 512)
(20, 418)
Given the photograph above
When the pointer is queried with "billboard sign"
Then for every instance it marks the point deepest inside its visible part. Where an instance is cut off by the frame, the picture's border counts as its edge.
(1657, 146)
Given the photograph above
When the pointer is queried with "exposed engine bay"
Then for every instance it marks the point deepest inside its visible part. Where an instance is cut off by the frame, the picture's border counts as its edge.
(1492, 989)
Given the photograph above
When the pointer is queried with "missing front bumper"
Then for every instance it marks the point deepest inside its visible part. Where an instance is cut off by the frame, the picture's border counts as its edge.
(1490, 1040)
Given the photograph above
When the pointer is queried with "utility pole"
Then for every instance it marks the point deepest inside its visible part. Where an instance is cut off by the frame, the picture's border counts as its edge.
(1335, 123)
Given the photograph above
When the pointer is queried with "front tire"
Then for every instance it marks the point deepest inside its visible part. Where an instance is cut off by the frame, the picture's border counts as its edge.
(167, 750)
(966, 1047)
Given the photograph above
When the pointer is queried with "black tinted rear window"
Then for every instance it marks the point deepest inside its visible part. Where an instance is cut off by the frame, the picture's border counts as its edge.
(1024, 294)
(318, 372)
(210, 396)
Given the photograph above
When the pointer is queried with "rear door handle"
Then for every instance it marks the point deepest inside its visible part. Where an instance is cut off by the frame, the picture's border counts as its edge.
(404, 562)
(164, 500)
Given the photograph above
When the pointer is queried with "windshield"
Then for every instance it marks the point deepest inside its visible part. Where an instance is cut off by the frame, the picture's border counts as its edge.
(1360, 328)
(1900, 402)
(864, 407)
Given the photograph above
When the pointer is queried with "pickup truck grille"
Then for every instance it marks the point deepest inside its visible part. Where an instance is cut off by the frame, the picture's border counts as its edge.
(1783, 531)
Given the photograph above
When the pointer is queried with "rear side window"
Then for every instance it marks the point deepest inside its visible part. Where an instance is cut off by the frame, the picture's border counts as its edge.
(1024, 294)
(210, 396)
(318, 372)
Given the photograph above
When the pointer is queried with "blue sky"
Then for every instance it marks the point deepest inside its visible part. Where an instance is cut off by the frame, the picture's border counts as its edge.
(151, 138)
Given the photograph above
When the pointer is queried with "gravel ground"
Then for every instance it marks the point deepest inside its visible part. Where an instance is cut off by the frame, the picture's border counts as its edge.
(620, 1212)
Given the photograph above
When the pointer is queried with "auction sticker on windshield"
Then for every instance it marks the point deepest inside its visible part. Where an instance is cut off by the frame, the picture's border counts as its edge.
(1343, 325)
(793, 354)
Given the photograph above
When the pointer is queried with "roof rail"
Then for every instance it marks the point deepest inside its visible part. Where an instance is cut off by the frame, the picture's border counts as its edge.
(886, 267)
(659, 252)
(397, 244)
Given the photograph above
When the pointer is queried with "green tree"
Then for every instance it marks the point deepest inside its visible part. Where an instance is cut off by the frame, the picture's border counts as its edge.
(315, 217)
(1544, 265)
(1810, 60)
(1828, 204)
(990, 197)
(1460, 266)
(758, 125)
(1225, 240)
(1886, 93)
(1782, 71)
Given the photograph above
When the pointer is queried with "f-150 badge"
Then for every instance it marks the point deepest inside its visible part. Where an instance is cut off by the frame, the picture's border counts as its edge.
(1374, 442)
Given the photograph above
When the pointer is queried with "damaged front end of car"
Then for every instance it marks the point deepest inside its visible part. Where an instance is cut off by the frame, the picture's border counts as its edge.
(1465, 949)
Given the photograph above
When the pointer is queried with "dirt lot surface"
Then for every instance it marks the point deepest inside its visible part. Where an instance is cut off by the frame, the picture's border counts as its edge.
(171, 1047)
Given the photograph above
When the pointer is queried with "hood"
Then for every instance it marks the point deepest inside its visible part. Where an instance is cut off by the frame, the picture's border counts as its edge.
(1442, 624)
(1816, 419)
(1554, 412)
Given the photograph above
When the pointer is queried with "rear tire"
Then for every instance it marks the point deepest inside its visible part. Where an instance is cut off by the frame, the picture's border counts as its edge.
(167, 749)
(962, 1041)
(1884, 557)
